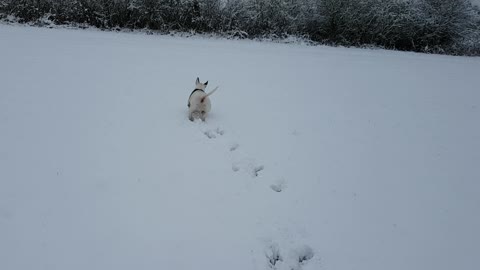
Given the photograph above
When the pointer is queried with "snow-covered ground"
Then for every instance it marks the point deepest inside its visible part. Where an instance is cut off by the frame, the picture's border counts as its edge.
(312, 158)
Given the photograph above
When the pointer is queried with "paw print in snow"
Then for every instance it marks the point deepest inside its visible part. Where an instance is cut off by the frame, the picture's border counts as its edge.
(257, 169)
(304, 254)
(212, 134)
(278, 186)
(273, 256)
(248, 167)
(233, 147)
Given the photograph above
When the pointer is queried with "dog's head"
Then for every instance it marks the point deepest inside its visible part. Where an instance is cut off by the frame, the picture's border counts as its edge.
(199, 85)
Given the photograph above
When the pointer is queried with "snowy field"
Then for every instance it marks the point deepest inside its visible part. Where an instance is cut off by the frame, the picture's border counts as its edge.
(312, 157)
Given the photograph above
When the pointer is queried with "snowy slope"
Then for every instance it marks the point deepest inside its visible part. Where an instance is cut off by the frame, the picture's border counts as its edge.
(339, 158)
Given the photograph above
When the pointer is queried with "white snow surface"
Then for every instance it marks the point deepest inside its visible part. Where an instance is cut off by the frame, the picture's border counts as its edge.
(311, 158)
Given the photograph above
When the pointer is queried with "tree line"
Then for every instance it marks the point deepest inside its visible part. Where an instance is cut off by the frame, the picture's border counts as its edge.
(436, 26)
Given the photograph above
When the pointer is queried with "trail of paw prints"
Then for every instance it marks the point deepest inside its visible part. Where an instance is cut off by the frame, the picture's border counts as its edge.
(295, 259)
(241, 161)
(248, 166)
(212, 134)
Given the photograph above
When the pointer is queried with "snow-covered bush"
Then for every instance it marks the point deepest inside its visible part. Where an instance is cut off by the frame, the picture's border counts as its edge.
(438, 26)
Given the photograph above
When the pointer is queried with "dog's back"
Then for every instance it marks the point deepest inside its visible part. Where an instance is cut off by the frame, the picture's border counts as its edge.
(199, 102)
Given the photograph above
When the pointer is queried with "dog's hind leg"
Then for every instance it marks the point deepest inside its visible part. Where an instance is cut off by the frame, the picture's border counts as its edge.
(203, 115)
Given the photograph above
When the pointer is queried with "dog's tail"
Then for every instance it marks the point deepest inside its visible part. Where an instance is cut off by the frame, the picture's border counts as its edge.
(211, 92)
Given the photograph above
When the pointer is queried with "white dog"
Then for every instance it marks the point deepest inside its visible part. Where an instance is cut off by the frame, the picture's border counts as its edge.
(198, 102)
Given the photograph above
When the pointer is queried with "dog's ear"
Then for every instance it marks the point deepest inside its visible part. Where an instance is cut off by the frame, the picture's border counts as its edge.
(206, 83)
(197, 81)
